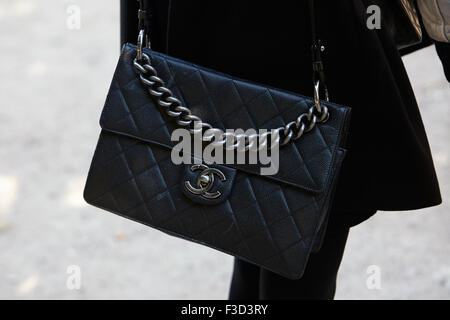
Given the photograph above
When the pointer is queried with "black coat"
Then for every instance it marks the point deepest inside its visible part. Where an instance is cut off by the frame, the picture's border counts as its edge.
(389, 164)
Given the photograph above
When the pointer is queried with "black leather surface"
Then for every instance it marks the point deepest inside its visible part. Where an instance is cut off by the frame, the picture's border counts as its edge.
(271, 221)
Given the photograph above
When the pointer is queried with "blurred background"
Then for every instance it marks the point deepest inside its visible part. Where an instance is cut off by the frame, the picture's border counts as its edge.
(57, 60)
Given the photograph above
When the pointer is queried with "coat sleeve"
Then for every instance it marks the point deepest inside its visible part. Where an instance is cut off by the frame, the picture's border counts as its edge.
(436, 18)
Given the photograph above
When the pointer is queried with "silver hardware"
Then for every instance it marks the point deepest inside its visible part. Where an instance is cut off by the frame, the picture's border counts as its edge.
(184, 118)
(140, 42)
(205, 181)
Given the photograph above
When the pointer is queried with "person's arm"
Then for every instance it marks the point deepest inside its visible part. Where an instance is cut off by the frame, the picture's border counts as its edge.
(436, 19)
(443, 50)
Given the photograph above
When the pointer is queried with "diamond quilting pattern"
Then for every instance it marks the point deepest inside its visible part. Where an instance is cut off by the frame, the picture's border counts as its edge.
(269, 221)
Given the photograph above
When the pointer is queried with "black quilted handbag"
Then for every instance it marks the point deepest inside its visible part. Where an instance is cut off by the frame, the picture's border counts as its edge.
(273, 221)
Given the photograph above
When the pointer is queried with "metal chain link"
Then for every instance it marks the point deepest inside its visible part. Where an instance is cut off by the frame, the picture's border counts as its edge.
(183, 116)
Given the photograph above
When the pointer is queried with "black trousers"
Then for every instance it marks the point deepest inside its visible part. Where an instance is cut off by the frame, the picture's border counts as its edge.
(318, 281)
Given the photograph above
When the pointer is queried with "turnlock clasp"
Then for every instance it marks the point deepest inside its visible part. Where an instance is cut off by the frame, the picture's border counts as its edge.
(205, 181)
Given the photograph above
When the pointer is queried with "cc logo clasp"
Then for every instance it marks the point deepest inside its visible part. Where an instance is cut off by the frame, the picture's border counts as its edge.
(205, 181)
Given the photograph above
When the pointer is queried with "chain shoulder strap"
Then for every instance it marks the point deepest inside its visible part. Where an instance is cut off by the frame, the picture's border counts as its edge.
(183, 116)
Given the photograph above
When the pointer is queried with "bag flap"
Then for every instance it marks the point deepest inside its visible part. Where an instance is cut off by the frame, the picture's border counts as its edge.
(227, 103)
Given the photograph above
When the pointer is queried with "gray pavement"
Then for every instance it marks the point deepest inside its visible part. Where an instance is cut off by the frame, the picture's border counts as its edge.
(53, 84)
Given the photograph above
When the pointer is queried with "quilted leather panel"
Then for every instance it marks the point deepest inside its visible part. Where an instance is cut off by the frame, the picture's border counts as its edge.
(268, 221)
(226, 103)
